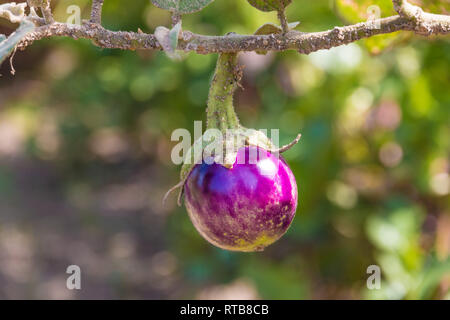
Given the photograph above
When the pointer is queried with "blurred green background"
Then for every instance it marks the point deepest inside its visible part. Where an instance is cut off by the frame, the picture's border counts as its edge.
(85, 161)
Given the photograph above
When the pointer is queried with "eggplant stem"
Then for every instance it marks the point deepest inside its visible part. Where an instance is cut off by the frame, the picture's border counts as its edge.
(220, 112)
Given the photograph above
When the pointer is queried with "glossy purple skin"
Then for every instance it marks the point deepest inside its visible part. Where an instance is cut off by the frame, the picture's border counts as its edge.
(246, 207)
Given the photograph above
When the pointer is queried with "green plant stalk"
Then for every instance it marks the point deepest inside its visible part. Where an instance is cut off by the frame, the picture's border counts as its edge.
(220, 112)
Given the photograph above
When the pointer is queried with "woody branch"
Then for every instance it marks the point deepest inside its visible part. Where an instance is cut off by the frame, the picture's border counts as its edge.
(410, 18)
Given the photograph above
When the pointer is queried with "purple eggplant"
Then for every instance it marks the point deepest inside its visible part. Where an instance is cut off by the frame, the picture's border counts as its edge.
(245, 207)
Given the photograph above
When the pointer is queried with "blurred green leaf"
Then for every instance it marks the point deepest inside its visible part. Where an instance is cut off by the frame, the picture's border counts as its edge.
(270, 5)
(395, 231)
(270, 28)
(182, 6)
(276, 281)
(353, 11)
(432, 276)
(433, 6)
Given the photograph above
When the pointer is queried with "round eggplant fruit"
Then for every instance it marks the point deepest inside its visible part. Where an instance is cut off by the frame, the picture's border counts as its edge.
(245, 207)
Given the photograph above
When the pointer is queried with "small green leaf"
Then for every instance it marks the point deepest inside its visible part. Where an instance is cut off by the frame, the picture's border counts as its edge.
(168, 39)
(174, 35)
(270, 28)
(270, 5)
(293, 25)
(7, 46)
(182, 6)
